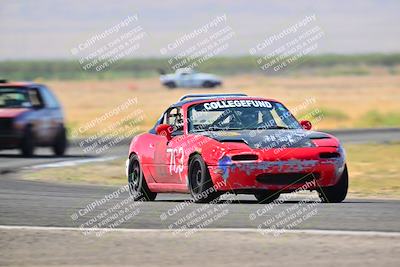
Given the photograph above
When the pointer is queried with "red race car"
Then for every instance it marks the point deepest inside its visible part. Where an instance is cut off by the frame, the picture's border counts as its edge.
(214, 143)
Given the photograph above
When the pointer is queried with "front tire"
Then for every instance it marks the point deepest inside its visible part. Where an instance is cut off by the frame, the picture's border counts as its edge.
(137, 183)
(200, 183)
(60, 142)
(28, 143)
(336, 193)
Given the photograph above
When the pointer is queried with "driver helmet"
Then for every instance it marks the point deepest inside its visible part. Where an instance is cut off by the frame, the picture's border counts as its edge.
(249, 118)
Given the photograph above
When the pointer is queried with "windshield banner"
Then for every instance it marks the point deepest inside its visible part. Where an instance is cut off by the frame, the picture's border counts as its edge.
(237, 104)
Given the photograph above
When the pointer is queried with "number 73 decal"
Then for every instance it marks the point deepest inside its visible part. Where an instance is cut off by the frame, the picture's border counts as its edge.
(176, 160)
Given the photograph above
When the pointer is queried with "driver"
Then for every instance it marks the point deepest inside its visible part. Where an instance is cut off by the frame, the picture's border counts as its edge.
(248, 118)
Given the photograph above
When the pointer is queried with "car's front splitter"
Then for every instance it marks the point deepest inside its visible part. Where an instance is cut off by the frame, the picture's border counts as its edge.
(277, 175)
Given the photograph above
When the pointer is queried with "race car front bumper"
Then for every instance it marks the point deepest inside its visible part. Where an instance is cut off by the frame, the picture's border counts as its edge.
(10, 139)
(285, 175)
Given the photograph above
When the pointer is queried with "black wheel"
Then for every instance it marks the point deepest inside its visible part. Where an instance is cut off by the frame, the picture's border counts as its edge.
(60, 142)
(336, 193)
(200, 183)
(28, 143)
(264, 197)
(170, 85)
(137, 183)
(208, 84)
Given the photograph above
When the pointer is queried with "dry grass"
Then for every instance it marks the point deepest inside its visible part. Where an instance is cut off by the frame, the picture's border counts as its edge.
(352, 96)
(104, 173)
(374, 170)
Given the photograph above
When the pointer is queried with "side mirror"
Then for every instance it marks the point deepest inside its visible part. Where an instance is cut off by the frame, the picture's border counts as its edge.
(164, 130)
(306, 124)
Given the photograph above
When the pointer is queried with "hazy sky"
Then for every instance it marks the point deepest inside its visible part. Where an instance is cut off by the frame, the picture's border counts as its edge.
(49, 29)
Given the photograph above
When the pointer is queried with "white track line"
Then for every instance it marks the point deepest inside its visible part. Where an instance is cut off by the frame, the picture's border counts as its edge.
(70, 163)
(243, 230)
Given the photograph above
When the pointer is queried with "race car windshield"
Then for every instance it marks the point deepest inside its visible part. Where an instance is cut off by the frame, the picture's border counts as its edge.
(240, 115)
(14, 98)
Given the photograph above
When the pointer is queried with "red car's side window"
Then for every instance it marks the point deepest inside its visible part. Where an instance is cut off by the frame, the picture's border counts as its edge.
(174, 117)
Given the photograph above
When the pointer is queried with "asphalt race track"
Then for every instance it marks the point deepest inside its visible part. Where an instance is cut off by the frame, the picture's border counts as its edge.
(38, 228)
(11, 161)
(45, 204)
(40, 224)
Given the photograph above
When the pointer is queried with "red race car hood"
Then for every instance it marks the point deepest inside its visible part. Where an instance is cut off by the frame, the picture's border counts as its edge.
(272, 138)
(12, 112)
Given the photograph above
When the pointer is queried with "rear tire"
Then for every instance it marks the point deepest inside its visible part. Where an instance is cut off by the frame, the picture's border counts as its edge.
(28, 143)
(336, 193)
(60, 142)
(200, 183)
(137, 183)
(265, 197)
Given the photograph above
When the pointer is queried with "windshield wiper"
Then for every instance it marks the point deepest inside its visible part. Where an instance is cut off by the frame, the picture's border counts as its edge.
(278, 127)
(242, 129)
(271, 128)
(217, 129)
(224, 129)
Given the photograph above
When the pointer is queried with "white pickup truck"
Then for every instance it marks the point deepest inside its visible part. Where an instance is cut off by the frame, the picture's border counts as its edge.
(187, 77)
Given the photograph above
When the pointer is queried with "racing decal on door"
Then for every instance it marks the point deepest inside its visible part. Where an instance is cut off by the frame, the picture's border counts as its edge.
(176, 160)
